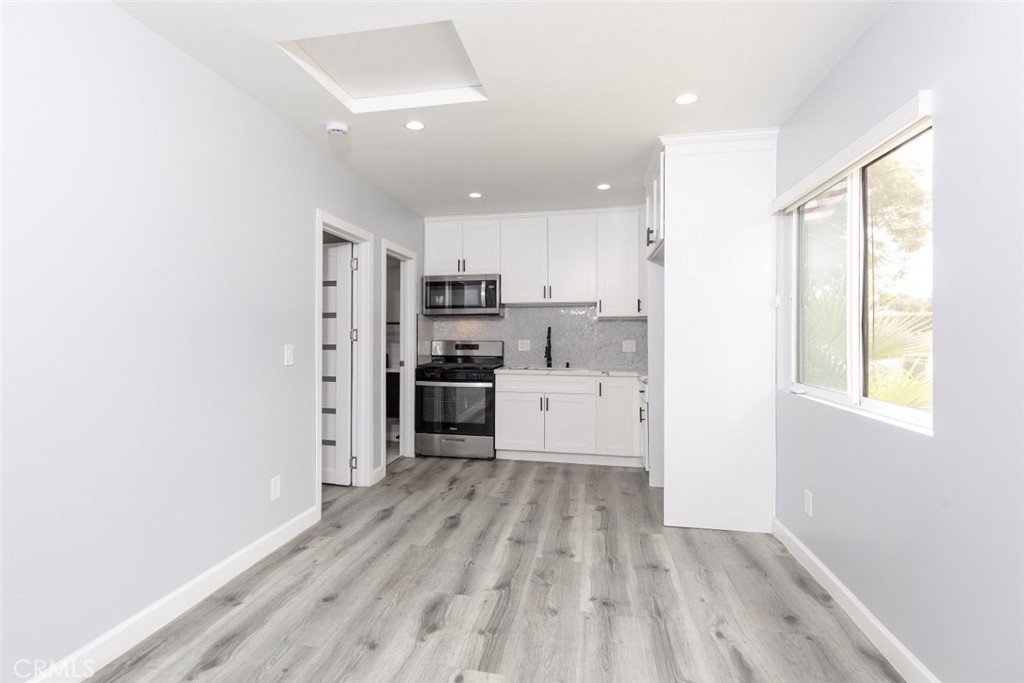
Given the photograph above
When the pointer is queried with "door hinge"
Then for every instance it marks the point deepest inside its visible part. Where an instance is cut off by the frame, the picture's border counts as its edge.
(353, 335)
(352, 462)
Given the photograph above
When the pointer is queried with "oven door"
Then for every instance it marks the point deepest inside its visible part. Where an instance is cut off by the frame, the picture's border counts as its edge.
(465, 408)
(461, 295)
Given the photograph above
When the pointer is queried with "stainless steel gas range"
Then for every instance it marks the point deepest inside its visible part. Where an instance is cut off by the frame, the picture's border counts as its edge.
(455, 399)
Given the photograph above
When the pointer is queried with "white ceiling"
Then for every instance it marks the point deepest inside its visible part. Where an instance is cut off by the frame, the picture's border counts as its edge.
(577, 91)
(394, 61)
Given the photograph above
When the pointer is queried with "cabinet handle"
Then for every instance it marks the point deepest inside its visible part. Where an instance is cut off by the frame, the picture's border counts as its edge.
(458, 265)
(547, 404)
(550, 290)
(463, 265)
(638, 305)
(650, 231)
(599, 389)
(598, 305)
(542, 403)
(641, 414)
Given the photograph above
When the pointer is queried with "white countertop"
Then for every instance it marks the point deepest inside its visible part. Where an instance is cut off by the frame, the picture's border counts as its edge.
(570, 372)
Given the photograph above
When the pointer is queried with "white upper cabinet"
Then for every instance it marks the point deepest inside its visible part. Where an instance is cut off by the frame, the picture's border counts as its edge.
(654, 206)
(580, 258)
(462, 247)
(620, 293)
(481, 247)
(442, 248)
(524, 260)
(641, 271)
(572, 258)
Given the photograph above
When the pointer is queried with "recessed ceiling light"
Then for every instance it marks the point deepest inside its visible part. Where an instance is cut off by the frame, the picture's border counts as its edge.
(686, 98)
(415, 125)
(604, 186)
(475, 195)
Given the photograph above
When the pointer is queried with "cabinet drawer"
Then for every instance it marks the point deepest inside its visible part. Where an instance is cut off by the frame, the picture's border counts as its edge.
(545, 384)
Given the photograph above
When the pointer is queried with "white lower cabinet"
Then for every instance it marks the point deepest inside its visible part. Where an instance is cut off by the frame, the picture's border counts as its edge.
(519, 421)
(579, 418)
(615, 415)
(569, 423)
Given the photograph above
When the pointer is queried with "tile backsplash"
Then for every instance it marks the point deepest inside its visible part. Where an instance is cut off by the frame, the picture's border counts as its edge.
(577, 336)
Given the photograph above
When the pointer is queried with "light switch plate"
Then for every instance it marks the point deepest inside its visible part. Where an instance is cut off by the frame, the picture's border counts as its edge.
(524, 344)
(289, 354)
(629, 345)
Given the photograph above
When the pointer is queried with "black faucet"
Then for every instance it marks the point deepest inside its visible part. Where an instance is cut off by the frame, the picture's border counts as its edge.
(547, 348)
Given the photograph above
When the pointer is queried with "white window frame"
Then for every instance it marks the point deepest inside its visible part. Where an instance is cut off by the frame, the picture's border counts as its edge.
(895, 131)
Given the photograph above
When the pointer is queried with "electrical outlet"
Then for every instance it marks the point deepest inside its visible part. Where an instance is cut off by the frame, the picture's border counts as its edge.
(808, 504)
(275, 488)
(629, 345)
(289, 354)
(524, 344)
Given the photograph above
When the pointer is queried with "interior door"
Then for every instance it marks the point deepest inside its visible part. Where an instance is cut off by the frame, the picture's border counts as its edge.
(524, 260)
(336, 418)
(572, 258)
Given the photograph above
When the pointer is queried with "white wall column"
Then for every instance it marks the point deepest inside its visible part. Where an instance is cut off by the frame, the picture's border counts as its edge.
(719, 330)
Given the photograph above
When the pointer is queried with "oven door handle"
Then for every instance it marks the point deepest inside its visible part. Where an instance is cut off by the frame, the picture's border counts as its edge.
(457, 385)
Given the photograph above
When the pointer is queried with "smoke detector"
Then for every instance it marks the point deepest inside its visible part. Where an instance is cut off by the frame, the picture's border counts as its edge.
(336, 128)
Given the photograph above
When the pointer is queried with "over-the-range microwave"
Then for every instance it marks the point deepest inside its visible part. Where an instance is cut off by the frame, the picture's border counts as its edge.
(462, 295)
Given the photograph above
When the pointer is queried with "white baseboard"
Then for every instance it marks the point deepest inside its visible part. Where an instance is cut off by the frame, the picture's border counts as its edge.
(902, 659)
(571, 458)
(81, 664)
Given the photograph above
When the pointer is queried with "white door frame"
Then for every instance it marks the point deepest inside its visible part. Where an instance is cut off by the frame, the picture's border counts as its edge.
(362, 359)
(409, 302)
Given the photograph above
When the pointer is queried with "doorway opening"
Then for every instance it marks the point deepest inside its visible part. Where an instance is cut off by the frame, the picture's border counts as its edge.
(400, 297)
(344, 343)
(392, 359)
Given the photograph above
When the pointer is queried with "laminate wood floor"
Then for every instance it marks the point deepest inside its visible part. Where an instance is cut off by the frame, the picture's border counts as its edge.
(467, 571)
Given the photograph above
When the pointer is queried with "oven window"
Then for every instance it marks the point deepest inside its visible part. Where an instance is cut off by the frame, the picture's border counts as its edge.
(455, 409)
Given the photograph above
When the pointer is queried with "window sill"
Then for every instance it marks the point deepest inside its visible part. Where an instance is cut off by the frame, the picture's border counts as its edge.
(923, 427)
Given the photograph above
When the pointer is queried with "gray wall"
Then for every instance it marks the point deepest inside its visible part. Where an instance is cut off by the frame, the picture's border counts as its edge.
(158, 251)
(577, 336)
(929, 531)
